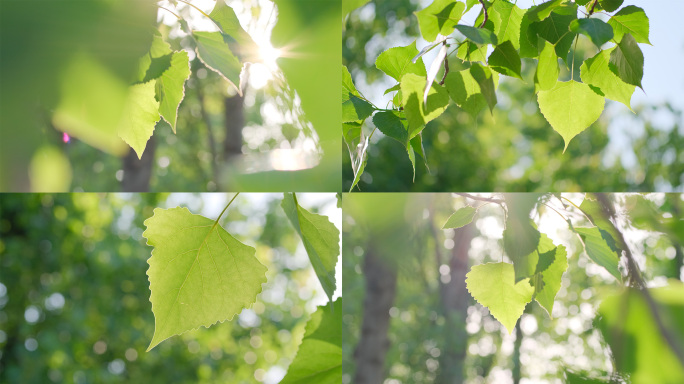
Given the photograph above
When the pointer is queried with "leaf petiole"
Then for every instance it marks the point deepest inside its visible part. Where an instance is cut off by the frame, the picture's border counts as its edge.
(224, 209)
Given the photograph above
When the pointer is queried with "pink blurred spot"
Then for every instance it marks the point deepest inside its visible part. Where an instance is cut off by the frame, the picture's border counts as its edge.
(65, 137)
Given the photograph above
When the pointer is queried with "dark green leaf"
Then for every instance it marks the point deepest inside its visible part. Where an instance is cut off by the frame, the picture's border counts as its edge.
(596, 72)
(556, 28)
(464, 90)
(505, 60)
(355, 109)
(392, 124)
(485, 79)
(627, 61)
(478, 35)
(610, 5)
(598, 31)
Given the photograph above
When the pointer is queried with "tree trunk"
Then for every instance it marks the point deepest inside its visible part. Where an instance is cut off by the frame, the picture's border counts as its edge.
(137, 172)
(381, 286)
(234, 122)
(455, 299)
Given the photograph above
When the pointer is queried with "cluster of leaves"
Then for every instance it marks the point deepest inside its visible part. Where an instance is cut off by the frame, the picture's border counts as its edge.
(199, 275)
(159, 87)
(544, 32)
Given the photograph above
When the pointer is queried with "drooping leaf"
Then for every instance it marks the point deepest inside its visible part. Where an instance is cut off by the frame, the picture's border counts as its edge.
(547, 72)
(597, 30)
(355, 108)
(320, 237)
(418, 113)
(397, 61)
(595, 71)
(417, 146)
(550, 277)
(610, 5)
(556, 28)
(139, 116)
(492, 285)
(348, 83)
(633, 20)
(225, 17)
(465, 91)
(596, 245)
(392, 124)
(570, 107)
(505, 60)
(478, 35)
(439, 17)
(638, 347)
(199, 274)
(352, 134)
(627, 61)
(460, 218)
(171, 87)
(319, 357)
(156, 61)
(215, 53)
(526, 265)
(486, 80)
(592, 208)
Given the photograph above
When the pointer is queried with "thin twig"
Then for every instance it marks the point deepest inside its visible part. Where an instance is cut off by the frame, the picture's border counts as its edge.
(486, 16)
(480, 198)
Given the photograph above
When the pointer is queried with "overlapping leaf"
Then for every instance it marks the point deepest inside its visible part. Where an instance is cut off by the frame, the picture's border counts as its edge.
(319, 357)
(547, 72)
(199, 274)
(139, 116)
(596, 72)
(597, 30)
(439, 17)
(398, 61)
(547, 281)
(418, 113)
(320, 237)
(627, 61)
(597, 245)
(460, 218)
(633, 20)
(505, 60)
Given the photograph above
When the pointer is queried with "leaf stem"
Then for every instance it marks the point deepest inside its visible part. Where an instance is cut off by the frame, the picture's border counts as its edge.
(228, 205)
(486, 16)
(572, 70)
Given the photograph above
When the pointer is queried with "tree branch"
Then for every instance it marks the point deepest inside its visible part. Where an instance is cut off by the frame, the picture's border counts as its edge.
(479, 198)
(635, 274)
(486, 16)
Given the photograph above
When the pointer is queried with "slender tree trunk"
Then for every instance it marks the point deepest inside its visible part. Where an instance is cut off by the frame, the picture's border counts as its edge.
(234, 122)
(137, 172)
(455, 299)
(381, 286)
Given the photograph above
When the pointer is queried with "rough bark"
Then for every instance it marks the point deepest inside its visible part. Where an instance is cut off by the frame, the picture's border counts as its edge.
(137, 172)
(455, 298)
(381, 286)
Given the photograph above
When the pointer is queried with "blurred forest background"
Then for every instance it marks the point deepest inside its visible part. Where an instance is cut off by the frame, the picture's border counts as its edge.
(74, 296)
(277, 136)
(515, 149)
(408, 317)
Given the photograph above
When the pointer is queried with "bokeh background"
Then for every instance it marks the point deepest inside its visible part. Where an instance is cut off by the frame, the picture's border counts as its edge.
(74, 296)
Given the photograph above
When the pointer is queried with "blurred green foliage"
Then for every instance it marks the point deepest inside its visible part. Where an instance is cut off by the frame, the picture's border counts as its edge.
(74, 296)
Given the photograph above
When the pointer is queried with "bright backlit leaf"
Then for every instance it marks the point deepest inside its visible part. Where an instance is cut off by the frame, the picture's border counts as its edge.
(493, 286)
(139, 116)
(464, 90)
(199, 274)
(595, 71)
(547, 282)
(597, 245)
(460, 218)
(440, 17)
(319, 357)
(507, 18)
(570, 107)
(213, 50)
(320, 237)
(547, 72)
(633, 20)
(171, 87)
(397, 61)
(418, 113)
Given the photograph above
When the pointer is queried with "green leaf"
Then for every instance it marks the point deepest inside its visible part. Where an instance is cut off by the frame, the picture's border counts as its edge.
(418, 114)
(397, 61)
(591, 207)
(355, 109)
(417, 146)
(542, 11)
(527, 265)
(351, 132)
(139, 116)
(199, 274)
(350, 5)
(610, 5)
(596, 72)
(486, 80)
(556, 28)
(439, 17)
(570, 107)
(639, 349)
(550, 278)
(627, 61)
(506, 18)
(320, 237)
(213, 50)
(505, 60)
(547, 72)
(597, 30)
(460, 218)
(392, 124)
(492, 286)
(319, 357)
(156, 61)
(630, 19)
(596, 245)
(171, 87)
(478, 35)
(359, 163)
(469, 51)
(227, 21)
(465, 91)
(348, 83)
